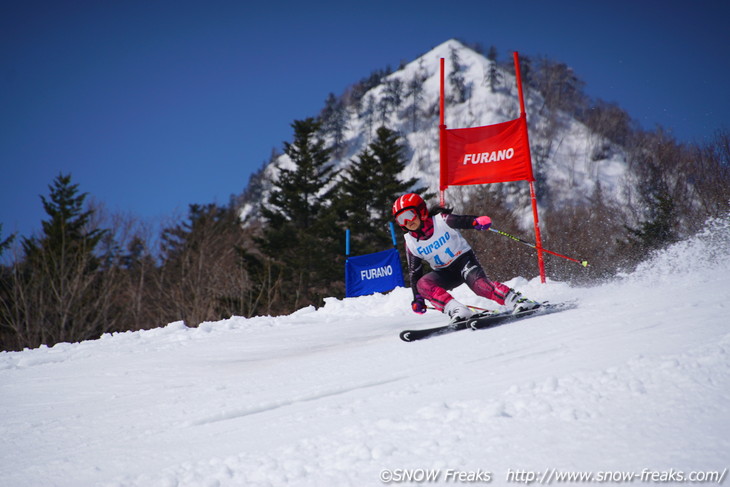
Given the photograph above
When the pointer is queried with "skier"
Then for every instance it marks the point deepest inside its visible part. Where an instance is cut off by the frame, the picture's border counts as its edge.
(434, 237)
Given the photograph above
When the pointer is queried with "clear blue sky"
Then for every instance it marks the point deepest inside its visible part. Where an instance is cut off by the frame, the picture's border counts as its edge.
(153, 105)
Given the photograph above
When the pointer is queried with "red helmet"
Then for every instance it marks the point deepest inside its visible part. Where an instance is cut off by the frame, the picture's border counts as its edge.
(407, 207)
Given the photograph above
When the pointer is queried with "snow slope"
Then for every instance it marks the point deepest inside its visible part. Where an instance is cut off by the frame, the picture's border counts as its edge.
(636, 379)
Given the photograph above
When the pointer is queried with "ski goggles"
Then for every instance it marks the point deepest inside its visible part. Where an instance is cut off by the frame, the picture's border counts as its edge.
(405, 216)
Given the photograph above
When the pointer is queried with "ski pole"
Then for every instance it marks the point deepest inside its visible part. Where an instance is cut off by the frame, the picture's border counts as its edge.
(584, 263)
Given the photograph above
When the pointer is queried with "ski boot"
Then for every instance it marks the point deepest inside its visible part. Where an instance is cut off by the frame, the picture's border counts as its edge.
(457, 311)
(517, 302)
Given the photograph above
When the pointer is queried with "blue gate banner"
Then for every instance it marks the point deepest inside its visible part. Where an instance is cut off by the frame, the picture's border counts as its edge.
(373, 273)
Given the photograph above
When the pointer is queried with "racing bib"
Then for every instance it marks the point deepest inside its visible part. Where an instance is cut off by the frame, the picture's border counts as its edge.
(444, 246)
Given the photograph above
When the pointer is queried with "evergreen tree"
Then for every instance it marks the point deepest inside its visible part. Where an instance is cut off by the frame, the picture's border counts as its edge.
(353, 96)
(296, 197)
(368, 113)
(5, 244)
(299, 231)
(67, 237)
(393, 93)
(659, 230)
(493, 77)
(656, 160)
(415, 95)
(60, 293)
(492, 54)
(370, 187)
(6, 292)
(560, 86)
(456, 78)
(333, 119)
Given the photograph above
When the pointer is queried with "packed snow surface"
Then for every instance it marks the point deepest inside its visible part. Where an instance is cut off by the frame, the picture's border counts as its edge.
(635, 380)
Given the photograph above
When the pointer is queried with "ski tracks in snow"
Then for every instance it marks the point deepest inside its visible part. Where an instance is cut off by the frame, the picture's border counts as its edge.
(636, 377)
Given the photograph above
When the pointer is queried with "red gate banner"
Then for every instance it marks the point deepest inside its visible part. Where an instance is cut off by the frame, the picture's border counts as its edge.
(490, 154)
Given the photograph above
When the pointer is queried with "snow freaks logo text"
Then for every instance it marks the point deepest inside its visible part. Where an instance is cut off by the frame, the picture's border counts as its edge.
(493, 156)
(422, 475)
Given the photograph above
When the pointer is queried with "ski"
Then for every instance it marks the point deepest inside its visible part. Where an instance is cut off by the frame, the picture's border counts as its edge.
(489, 321)
(486, 319)
(413, 335)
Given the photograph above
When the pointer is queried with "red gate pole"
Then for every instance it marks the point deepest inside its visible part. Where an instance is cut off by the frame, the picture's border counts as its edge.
(533, 199)
(442, 141)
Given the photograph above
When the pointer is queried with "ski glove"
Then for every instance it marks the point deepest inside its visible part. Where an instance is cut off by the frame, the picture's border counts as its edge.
(418, 304)
(482, 223)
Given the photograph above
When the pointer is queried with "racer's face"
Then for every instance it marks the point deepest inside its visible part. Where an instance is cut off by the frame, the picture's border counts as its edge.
(414, 224)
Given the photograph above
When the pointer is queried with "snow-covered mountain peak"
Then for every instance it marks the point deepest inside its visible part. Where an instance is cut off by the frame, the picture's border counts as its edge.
(568, 158)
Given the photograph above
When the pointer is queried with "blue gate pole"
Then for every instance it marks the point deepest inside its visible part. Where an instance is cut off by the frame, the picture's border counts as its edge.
(347, 254)
(392, 234)
(395, 246)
